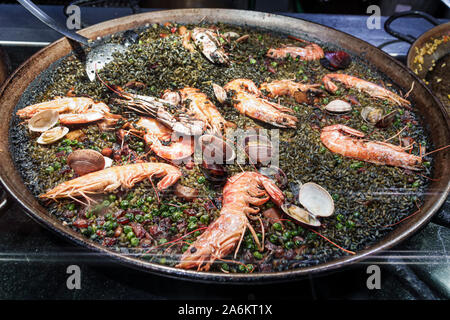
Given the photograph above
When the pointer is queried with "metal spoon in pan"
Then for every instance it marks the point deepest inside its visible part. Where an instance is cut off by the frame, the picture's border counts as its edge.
(98, 56)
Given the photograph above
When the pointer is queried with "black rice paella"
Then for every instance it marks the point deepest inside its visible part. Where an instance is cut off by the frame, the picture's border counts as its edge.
(115, 159)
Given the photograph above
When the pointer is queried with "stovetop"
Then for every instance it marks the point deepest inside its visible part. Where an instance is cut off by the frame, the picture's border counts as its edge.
(34, 261)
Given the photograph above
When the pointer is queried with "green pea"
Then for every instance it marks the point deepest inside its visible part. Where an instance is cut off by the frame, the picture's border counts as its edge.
(273, 64)
(106, 203)
(71, 206)
(124, 204)
(130, 216)
(177, 215)
(165, 214)
(204, 219)
(258, 255)
(139, 218)
(49, 169)
(112, 197)
(155, 212)
(339, 226)
(415, 184)
(145, 208)
(340, 217)
(140, 202)
(127, 229)
(356, 165)
(134, 241)
(108, 225)
(297, 243)
(273, 238)
(225, 267)
(201, 179)
(193, 219)
(148, 216)
(252, 61)
(364, 128)
(192, 226)
(130, 196)
(322, 149)
(242, 268)
(162, 241)
(277, 226)
(149, 200)
(57, 165)
(130, 235)
(287, 235)
(350, 224)
(296, 108)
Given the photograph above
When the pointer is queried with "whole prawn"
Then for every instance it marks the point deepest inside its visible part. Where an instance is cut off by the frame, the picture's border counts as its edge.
(362, 85)
(336, 138)
(248, 101)
(155, 133)
(108, 180)
(297, 90)
(221, 237)
(201, 108)
(307, 53)
(72, 110)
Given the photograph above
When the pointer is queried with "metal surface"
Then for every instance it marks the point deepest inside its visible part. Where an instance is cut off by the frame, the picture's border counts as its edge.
(435, 119)
(419, 42)
(97, 57)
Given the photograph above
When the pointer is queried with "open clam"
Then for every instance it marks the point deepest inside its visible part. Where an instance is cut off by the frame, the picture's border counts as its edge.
(52, 135)
(43, 120)
(316, 200)
(299, 214)
(85, 161)
(371, 114)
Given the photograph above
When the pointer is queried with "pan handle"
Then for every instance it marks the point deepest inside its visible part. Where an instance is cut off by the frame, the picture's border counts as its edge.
(41, 15)
(407, 37)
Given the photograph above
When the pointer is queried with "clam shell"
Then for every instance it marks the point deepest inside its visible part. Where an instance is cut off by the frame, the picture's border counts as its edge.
(108, 162)
(338, 106)
(85, 161)
(299, 214)
(231, 34)
(258, 149)
(43, 120)
(52, 135)
(371, 114)
(220, 93)
(316, 199)
(215, 149)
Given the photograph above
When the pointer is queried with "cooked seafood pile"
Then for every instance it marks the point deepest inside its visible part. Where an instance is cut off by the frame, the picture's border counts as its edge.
(221, 148)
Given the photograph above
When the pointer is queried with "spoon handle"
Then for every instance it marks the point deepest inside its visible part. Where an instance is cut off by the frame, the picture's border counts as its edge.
(41, 15)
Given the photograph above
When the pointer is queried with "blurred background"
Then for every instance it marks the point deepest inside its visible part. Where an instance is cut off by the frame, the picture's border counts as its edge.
(437, 8)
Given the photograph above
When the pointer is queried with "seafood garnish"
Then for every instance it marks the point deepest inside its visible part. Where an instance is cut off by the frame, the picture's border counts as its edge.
(335, 60)
(316, 200)
(201, 108)
(206, 41)
(337, 139)
(222, 236)
(158, 109)
(300, 214)
(52, 135)
(78, 110)
(84, 161)
(309, 52)
(338, 106)
(248, 102)
(362, 85)
(44, 120)
(155, 133)
(108, 180)
(297, 90)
